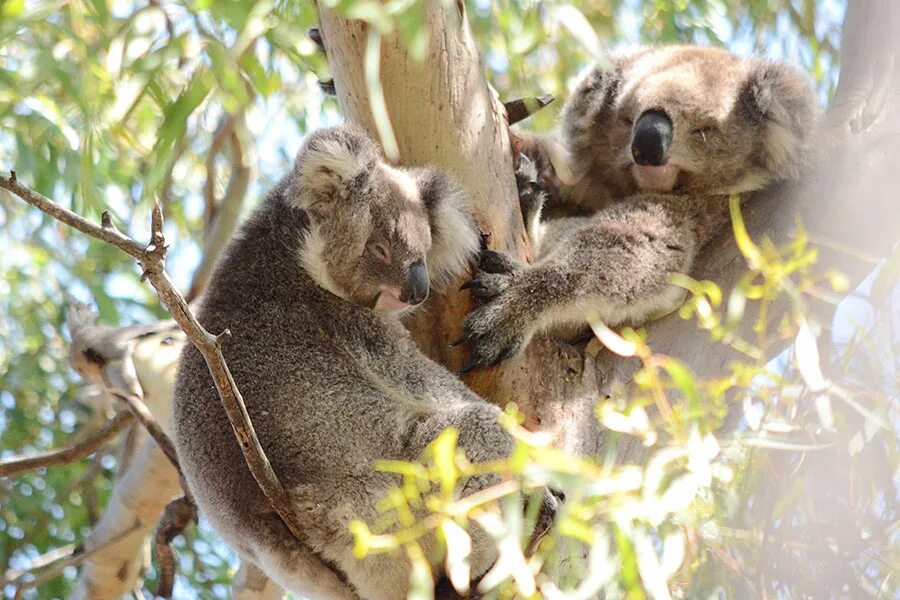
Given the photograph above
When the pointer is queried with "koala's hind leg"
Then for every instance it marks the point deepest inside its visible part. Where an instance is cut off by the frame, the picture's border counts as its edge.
(296, 568)
(483, 439)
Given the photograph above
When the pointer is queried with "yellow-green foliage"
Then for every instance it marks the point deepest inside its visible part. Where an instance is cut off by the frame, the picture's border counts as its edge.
(686, 521)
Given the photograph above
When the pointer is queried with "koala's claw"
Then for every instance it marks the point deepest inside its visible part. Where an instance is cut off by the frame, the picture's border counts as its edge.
(485, 240)
(469, 366)
(496, 272)
(496, 335)
(492, 261)
(487, 286)
(460, 341)
(496, 328)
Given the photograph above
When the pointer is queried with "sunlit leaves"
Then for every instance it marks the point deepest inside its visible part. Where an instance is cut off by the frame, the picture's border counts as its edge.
(690, 519)
(104, 105)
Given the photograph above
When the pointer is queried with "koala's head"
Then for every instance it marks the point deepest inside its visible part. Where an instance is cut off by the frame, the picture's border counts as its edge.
(370, 230)
(692, 120)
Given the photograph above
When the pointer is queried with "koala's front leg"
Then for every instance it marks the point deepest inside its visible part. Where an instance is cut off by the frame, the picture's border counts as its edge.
(615, 266)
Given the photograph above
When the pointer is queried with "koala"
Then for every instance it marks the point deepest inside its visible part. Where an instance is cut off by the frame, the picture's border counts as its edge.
(638, 176)
(311, 288)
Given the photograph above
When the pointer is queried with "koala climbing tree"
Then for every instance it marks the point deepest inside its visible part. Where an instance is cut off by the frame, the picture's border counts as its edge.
(339, 385)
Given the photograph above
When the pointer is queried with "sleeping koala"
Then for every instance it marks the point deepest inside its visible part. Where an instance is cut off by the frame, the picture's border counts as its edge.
(650, 149)
(309, 288)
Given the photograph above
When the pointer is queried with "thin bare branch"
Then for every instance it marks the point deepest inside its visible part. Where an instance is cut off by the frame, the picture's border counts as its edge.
(42, 561)
(180, 513)
(222, 216)
(137, 408)
(68, 454)
(110, 235)
(55, 568)
(220, 137)
(152, 260)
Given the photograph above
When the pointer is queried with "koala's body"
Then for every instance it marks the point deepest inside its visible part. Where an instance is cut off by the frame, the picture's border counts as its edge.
(332, 381)
(647, 154)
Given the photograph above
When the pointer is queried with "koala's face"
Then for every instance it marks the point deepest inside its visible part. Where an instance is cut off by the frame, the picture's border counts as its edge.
(377, 248)
(690, 120)
(370, 230)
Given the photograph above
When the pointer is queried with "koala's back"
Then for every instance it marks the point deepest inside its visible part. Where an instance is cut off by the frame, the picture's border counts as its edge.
(291, 358)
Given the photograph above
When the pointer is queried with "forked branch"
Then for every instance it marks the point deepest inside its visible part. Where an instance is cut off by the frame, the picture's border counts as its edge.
(152, 260)
(180, 514)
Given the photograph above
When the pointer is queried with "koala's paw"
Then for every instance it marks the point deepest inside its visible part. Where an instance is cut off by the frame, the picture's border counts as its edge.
(531, 194)
(497, 328)
(497, 332)
(496, 273)
(495, 262)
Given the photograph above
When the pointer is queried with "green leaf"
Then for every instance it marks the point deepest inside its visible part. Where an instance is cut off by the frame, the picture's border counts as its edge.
(12, 8)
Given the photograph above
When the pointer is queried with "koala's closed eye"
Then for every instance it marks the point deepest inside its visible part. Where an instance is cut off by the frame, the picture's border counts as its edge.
(704, 129)
(380, 250)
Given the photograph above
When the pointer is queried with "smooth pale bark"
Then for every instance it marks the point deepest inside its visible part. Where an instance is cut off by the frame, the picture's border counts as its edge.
(443, 113)
(142, 491)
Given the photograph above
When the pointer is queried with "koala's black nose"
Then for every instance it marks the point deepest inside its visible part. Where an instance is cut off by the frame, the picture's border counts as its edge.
(416, 288)
(651, 139)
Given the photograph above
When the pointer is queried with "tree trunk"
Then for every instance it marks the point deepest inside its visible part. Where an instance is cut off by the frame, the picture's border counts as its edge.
(142, 490)
(443, 112)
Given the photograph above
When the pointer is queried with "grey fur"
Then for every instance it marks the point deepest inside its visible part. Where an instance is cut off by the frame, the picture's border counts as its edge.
(330, 384)
(739, 125)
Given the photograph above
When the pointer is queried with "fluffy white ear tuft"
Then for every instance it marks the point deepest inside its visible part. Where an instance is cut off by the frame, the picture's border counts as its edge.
(454, 235)
(781, 99)
(330, 164)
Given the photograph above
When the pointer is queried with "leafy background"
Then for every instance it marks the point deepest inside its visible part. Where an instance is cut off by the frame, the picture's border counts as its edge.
(104, 105)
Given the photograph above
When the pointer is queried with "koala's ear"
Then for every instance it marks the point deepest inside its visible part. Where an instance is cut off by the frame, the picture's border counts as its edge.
(330, 165)
(454, 235)
(780, 100)
(592, 100)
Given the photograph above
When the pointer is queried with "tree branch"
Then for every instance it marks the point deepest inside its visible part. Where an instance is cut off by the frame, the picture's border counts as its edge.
(56, 568)
(152, 260)
(221, 218)
(90, 444)
(180, 513)
(107, 232)
(222, 134)
(136, 407)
